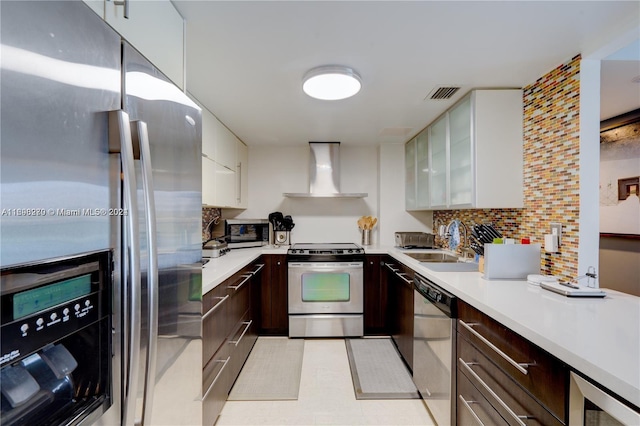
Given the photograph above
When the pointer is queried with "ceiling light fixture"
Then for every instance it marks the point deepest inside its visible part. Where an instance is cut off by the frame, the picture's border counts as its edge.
(331, 82)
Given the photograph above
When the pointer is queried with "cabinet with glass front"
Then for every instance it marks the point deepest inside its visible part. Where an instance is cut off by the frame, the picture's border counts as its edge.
(470, 156)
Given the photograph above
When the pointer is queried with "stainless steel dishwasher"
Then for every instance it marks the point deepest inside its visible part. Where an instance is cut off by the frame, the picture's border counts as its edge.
(434, 350)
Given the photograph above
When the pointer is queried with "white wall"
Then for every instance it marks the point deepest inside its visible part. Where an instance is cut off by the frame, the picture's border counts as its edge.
(378, 171)
(393, 216)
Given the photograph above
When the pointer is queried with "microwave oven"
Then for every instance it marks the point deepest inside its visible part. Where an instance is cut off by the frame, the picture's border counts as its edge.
(241, 233)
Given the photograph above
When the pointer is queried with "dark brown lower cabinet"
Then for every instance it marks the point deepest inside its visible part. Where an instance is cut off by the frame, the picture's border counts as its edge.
(400, 313)
(521, 382)
(274, 318)
(375, 296)
(230, 329)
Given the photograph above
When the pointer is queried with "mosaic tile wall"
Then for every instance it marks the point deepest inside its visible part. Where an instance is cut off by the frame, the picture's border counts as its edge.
(551, 170)
(209, 214)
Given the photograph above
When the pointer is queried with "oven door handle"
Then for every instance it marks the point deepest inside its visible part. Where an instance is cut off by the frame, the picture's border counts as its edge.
(326, 265)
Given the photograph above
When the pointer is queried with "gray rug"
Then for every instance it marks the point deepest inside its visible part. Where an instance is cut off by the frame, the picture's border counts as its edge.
(378, 371)
(272, 371)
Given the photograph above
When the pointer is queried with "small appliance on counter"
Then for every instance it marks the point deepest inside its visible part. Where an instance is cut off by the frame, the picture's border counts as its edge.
(415, 240)
(214, 248)
(281, 226)
(241, 233)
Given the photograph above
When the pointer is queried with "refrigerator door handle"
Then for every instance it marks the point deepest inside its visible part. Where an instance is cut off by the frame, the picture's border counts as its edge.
(120, 142)
(141, 139)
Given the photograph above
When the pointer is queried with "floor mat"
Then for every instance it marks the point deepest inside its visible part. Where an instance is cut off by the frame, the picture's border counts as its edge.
(377, 370)
(272, 371)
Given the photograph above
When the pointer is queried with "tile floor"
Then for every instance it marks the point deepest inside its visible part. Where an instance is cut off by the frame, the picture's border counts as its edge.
(326, 397)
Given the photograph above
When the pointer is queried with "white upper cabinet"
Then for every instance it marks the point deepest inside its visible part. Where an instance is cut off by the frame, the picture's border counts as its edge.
(242, 175)
(155, 28)
(474, 154)
(225, 165)
(410, 175)
(437, 134)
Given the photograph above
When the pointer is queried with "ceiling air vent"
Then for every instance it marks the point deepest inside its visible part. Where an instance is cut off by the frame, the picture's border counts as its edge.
(440, 93)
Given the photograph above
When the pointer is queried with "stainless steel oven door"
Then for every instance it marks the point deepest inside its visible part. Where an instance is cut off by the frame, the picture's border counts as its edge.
(325, 288)
(590, 405)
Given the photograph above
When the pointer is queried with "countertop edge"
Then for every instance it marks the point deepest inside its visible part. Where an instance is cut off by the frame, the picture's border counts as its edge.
(599, 373)
(531, 328)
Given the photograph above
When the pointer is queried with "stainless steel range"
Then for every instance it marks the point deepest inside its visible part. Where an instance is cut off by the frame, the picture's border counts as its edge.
(326, 290)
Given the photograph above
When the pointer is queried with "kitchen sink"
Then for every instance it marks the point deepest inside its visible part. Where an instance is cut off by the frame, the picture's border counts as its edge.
(434, 257)
(451, 266)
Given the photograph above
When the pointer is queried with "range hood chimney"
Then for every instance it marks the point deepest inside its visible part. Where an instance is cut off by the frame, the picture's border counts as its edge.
(324, 173)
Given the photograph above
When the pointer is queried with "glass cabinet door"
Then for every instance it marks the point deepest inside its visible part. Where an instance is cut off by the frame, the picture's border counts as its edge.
(422, 170)
(410, 175)
(438, 145)
(460, 171)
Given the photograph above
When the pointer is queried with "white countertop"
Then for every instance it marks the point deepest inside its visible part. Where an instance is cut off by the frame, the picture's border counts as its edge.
(220, 268)
(598, 337)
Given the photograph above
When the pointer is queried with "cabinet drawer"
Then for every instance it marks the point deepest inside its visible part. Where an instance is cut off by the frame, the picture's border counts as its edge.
(215, 324)
(239, 288)
(472, 407)
(508, 398)
(530, 366)
(240, 345)
(216, 382)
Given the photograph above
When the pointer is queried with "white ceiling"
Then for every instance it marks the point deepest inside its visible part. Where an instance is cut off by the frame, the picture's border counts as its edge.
(245, 60)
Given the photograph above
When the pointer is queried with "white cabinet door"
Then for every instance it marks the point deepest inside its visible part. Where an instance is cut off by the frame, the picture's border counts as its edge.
(439, 163)
(422, 170)
(226, 147)
(225, 186)
(218, 184)
(460, 166)
(97, 6)
(209, 134)
(156, 29)
(410, 175)
(242, 175)
(208, 182)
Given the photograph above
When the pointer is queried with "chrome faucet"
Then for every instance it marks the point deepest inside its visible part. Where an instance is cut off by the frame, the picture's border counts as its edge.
(464, 246)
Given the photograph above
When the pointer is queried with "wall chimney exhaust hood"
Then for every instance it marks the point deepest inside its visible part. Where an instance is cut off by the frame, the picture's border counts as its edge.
(324, 173)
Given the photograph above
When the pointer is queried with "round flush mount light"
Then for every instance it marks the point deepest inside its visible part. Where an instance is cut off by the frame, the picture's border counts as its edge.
(331, 83)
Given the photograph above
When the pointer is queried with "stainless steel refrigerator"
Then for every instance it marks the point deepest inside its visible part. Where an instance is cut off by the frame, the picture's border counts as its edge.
(100, 151)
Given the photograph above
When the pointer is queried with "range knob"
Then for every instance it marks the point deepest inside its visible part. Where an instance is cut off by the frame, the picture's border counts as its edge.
(53, 316)
(76, 307)
(350, 250)
(65, 311)
(24, 328)
(39, 322)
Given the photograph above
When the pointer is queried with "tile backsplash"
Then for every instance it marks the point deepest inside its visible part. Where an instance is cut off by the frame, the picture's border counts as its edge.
(551, 171)
(209, 214)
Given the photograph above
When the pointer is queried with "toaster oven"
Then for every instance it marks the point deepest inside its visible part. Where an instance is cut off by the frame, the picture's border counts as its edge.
(414, 240)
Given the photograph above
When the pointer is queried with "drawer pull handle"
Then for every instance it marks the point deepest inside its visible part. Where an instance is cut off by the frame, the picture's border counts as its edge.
(467, 404)
(504, 405)
(402, 276)
(521, 367)
(237, 287)
(226, 361)
(217, 305)
(258, 269)
(246, 328)
(391, 267)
